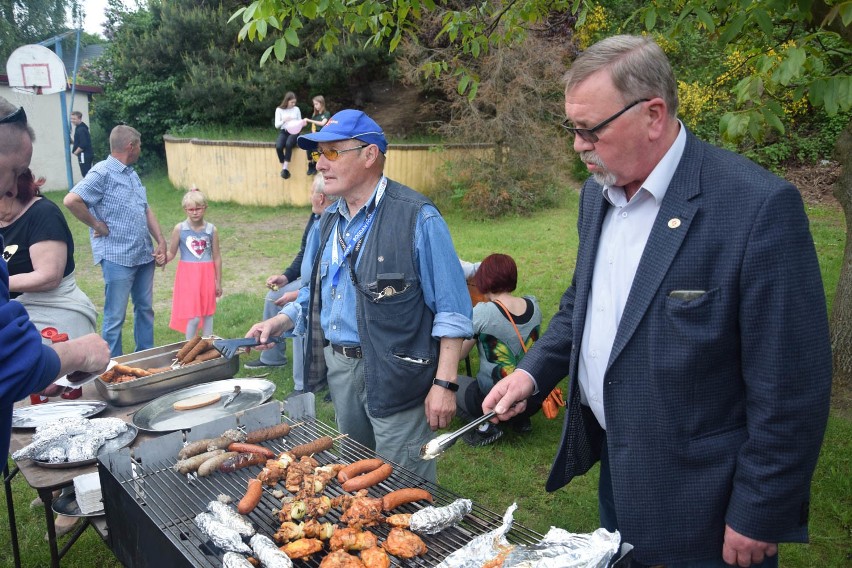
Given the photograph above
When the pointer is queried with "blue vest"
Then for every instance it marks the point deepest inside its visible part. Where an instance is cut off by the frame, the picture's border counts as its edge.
(394, 323)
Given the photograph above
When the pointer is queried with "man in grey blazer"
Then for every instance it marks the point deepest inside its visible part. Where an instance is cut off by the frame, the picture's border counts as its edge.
(694, 331)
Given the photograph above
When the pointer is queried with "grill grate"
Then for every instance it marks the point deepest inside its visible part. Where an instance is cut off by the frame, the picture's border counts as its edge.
(153, 499)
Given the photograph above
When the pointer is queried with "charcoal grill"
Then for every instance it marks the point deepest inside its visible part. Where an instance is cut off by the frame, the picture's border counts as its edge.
(150, 507)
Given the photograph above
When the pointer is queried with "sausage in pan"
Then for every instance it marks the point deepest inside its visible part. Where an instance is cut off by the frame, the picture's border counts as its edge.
(368, 479)
(270, 433)
(252, 497)
(187, 347)
(400, 497)
(320, 444)
(357, 468)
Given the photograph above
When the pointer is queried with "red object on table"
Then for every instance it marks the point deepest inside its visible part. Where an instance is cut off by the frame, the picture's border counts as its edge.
(54, 336)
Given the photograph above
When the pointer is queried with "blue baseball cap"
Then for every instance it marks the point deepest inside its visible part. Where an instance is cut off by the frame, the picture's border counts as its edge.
(344, 125)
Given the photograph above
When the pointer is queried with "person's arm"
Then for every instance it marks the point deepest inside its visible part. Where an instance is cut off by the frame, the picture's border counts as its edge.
(85, 140)
(174, 244)
(154, 228)
(75, 204)
(467, 346)
(217, 262)
(439, 270)
(279, 118)
(48, 259)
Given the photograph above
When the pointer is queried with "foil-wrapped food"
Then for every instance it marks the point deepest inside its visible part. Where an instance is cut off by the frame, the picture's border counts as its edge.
(225, 538)
(269, 554)
(70, 439)
(230, 518)
(558, 549)
(432, 520)
(234, 560)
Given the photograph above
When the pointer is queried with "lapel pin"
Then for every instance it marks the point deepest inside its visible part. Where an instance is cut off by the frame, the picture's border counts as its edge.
(674, 223)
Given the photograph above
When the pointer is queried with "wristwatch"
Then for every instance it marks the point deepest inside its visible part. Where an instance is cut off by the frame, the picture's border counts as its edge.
(446, 384)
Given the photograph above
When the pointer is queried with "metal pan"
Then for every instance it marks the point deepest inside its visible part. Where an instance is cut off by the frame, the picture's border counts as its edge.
(160, 416)
(112, 445)
(38, 414)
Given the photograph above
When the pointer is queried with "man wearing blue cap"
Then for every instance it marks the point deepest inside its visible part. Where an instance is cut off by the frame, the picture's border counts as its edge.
(387, 294)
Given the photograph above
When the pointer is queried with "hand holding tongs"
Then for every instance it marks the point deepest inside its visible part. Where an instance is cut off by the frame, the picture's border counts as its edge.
(229, 347)
(442, 443)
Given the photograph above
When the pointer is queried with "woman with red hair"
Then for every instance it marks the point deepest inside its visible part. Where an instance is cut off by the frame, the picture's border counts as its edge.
(505, 327)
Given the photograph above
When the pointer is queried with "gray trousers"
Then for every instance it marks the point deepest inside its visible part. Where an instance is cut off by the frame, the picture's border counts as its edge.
(278, 354)
(398, 437)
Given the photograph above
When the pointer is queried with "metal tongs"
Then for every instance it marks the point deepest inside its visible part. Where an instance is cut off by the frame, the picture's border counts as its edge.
(230, 347)
(442, 443)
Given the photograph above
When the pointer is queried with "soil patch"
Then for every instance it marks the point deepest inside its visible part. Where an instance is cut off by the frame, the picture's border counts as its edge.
(816, 182)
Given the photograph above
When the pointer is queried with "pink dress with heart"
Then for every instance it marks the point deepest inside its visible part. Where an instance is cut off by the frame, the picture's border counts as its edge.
(195, 279)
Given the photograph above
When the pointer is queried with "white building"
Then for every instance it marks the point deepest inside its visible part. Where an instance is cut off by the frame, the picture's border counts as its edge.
(44, 114)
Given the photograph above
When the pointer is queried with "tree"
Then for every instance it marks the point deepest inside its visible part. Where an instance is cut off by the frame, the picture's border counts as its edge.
(798, 49)
(32, 21)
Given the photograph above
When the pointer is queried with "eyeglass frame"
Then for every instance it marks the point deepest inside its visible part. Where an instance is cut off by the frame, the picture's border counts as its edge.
(588, 134)
(18, 115)
(315, 154)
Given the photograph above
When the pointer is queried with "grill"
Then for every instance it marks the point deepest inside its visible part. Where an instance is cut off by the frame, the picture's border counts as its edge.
(150, 507)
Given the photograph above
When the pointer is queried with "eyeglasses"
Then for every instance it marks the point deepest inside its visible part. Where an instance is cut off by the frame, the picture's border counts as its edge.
(331, 154)
(588, 134)
(194, 209)
(17, 116)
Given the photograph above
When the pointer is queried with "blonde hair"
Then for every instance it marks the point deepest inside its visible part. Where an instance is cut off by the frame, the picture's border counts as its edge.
(193, 197)
(321, 100)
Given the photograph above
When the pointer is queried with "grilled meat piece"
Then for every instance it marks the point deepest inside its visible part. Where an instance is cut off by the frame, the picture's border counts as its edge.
(352, 539)
(363, 512)
(400, 520)
(302, 548)
(375, 558)
(404, 544)
(341, 559)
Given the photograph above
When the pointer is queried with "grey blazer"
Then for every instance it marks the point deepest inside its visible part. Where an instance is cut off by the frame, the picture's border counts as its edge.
(716, 405)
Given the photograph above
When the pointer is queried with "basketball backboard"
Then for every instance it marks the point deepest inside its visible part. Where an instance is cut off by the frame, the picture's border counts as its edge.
(36, 70)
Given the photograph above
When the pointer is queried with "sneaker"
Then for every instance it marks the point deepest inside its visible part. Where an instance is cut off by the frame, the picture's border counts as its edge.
(486, 434)
(282, 173)
(258, 364)
(285, 174)
(312, 172)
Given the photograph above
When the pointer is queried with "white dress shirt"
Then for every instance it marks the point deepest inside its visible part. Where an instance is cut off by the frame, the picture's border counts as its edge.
(624, 234)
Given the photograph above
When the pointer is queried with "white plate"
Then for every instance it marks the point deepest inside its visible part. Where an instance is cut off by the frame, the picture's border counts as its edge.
(38, 414)
(160, 416)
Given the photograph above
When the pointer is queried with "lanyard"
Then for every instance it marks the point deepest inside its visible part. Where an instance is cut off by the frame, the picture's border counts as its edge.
(355, 242)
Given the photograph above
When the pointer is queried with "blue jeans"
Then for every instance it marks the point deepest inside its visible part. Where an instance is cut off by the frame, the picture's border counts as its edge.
(120, 284)
(278, 354)
(606, 508)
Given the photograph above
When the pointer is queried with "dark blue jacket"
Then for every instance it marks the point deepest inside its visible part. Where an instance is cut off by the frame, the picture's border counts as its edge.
(715, 406)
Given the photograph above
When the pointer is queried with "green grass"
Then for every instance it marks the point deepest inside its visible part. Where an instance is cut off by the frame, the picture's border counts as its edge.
(258, 241)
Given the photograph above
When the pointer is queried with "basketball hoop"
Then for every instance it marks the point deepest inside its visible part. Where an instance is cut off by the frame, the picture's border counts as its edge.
(35, 70)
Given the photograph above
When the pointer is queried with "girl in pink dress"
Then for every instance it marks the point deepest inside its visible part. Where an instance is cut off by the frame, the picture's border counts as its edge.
(198, 280)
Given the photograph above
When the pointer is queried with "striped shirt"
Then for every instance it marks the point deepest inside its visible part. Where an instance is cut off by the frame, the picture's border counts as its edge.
(115, 195)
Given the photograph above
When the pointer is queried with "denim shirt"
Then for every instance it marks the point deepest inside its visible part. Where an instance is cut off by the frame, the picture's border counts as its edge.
(436, 261)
